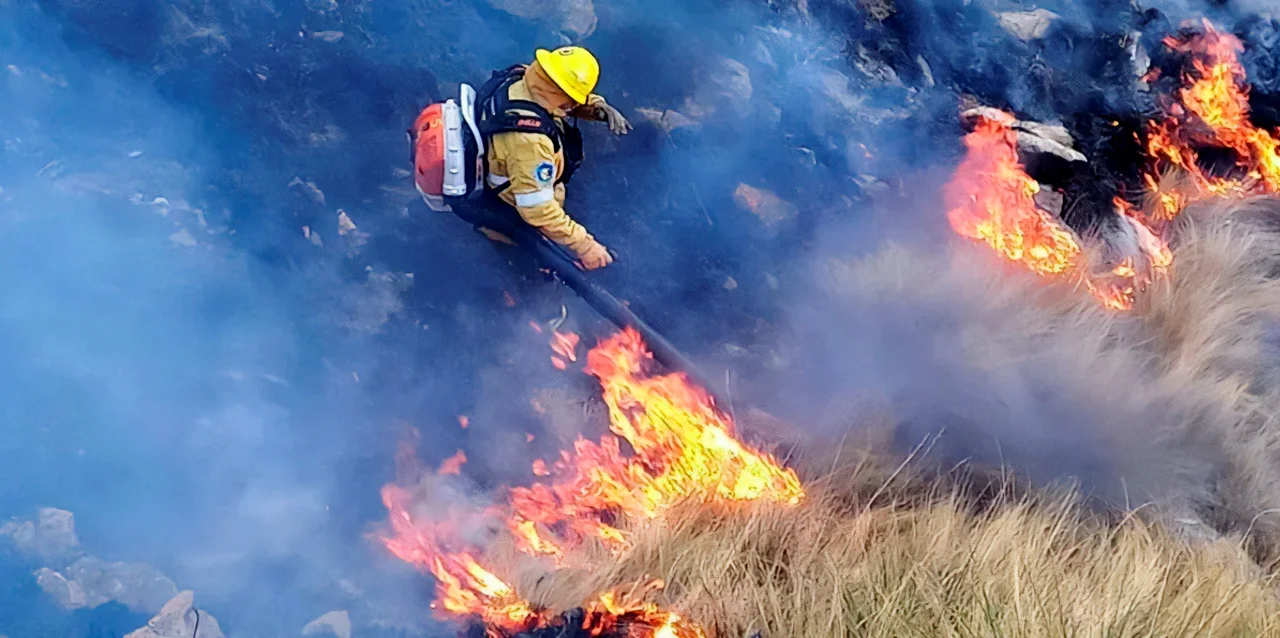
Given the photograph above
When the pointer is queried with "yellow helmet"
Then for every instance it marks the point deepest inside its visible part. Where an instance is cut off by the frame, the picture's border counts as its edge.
(573, 69)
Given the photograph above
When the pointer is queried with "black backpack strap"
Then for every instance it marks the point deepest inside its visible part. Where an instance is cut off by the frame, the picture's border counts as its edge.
(498, 113)
(500, 79)
(574, 152)
(535, 119)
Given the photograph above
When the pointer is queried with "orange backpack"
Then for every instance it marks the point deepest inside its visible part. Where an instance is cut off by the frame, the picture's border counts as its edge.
(447, 151)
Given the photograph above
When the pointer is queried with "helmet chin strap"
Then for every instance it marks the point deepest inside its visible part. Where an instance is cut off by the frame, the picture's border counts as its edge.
(546, 93)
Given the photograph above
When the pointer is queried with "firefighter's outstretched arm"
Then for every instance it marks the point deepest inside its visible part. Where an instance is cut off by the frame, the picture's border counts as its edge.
(599, 110)
(531, 167)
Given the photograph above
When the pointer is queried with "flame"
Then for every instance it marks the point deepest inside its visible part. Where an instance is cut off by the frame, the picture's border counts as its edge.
(991, 199)
(463, 587)
(565, 345)
(683, 449)
(1212, 110)
(453, 465)
(642, 617)
(679, 447)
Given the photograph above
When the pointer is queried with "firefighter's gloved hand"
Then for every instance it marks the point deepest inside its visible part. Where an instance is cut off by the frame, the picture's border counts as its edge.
(595, 256)
(605, 111)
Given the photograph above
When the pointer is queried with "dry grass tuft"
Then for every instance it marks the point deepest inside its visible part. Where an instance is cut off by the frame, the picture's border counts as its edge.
(925, 564)
(1213, 327)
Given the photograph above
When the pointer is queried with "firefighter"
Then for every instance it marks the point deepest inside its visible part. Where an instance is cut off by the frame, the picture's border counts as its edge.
(533, 150)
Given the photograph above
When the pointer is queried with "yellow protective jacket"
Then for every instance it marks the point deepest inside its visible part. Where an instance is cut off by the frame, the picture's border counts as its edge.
(532, 166)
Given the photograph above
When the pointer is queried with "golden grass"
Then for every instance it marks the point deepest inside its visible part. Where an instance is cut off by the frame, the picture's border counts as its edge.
(929, 564)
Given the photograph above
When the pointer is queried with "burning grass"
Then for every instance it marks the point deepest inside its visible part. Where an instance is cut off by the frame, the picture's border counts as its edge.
(1170, 413)
(673, 527)
(991, 197)
(882, 549)
(679, 448)
(928, 564)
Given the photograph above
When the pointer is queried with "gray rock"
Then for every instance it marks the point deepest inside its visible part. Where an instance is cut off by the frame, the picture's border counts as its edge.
(321, 6)
(667, 120)
(66, 594)
(764, 204)
(91, 582)
(1053, 132)
(927, 71)
(875, 69)
(180, 619)
(1032, 144)
(308, 190)
(51, 537)
(1027, 25)
(576, 19)
(1141, 62)
(1034, 138)
(724, 85)
(335, 623)
(1050, 200)
(328, 36)
(878, 10)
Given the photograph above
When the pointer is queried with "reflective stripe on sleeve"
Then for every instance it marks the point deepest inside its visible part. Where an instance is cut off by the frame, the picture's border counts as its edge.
(529, 200)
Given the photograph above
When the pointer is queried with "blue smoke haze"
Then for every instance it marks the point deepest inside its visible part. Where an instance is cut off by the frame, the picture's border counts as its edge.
(195, 405)
(216, 393)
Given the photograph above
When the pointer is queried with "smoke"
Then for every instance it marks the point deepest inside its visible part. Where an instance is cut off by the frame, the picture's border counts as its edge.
(196, 409)
(212, 370)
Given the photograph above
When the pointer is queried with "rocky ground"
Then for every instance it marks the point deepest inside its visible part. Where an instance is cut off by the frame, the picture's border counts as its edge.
(760, 126)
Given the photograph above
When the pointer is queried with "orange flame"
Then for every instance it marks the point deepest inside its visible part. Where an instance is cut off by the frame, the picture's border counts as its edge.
(565, 345)
(463, 587)
(680, 447)
(453, 465)
(991, 199)
(655, 622)
(1213, 110)
(683, 449)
